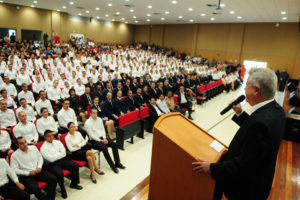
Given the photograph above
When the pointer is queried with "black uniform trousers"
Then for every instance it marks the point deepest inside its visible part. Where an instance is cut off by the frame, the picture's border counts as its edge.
(11, 191)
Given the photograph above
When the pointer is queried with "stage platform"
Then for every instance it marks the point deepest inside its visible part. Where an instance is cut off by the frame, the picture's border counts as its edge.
(286, 185)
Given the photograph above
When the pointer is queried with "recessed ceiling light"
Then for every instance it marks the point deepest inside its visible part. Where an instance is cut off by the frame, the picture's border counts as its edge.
(203, 14)
(87, 11)
(222, 5)
(126, 22)
(167, 12)
(283, 12)
(162, 18)
(191, 20)
(136, 21)
(1, 1)
(79, 14)
(109, 4)
(180, 17)
(106, 15)
(113, 20)
(148, 15)
(190, 9)
(149, 6)
(64, 7)
(212, 19)
(97, 8)
(58, 10)
(284, 18)
(98, 17)
(148, 20)
(117, 13)
(131, 10)
(127, 0)
(122, 18)
(174, 2)
(32, 6)
(232, 12)
(71, 3)
(134, 17)
(35, 2)
(239, 17)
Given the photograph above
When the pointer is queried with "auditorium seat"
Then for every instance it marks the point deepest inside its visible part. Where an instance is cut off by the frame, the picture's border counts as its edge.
(129, 125)
(145, 121)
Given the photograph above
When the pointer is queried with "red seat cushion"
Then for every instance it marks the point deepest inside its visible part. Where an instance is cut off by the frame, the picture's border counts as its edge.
(144, 112)
(42, 184)
(80, 163)
(39, 145)
(66, 172)
(128, 118)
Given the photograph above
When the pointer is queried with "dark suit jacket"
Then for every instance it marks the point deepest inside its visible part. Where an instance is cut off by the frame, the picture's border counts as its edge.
(74, 103)
(125, 89)
(146, 96)
(109, 109)
(84, 101)
(246, 171)
(99, 110)
(121, 106)
(92, 86)
(153, 93)
(139, 99)
(160, 91)
(105, 91)
(179, 98)
(100, 83)
(131, 103)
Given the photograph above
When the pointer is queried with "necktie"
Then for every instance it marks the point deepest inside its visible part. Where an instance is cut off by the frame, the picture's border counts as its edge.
(89, 99)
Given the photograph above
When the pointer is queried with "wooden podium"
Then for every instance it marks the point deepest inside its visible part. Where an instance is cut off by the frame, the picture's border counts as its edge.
(177, 142)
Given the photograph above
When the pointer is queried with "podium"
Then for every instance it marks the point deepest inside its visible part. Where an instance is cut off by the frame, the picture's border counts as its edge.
(177, 142)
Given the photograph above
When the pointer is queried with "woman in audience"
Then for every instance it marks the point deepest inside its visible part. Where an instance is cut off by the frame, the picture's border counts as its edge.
(80, 150)
(76, 105)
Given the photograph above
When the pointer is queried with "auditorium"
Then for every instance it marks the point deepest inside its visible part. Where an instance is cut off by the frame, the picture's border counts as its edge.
(149, 99)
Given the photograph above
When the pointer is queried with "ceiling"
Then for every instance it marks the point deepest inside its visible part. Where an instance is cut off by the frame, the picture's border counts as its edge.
(246, 10)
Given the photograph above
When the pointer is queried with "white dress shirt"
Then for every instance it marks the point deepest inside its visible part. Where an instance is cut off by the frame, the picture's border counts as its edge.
(259, 105)
(43, 124)
(38, 86)
(66, 116)
(7, 118)
(95, 129)
(10, 88)
(10, 102)
(54, 93)
(28, 131)
(5, 141)
(43, 104)
(54, 151)
(6, 171)
(12, 74)
(183, 99)
(163, 106)
(79, 89)
(75, 139)
(29, 112)
(25, 162)
(65, 93)
(28, 96)
(23, 79)
(158, 112)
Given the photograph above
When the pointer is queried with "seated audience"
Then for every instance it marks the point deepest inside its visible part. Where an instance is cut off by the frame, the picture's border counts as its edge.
(46, 122)
(5, 144)
(43, 103)
(9, 100)
(25, 94)
(184, 102)
(86, 98)
(171, 104)
(131, 103)
(54, 95)
(27, 109)
(154, 111)
(7, 116)
(161, 103)
(9, 87)
(121, 107)
(109, 107)
(76, 105)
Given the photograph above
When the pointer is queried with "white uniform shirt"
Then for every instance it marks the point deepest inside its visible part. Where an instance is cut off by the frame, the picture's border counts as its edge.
(75, 139)
(10, 88)
(95, 128)
(24, 162)
(28, 96)
(28, 131)
(163, 106)
(6, 171)
(7, 118)
(43, 124)
(66, 116)
(29, 112)
(37, 87)
(54, 93)
(54, 151)
(5, 141)
(23, 79)
(41, 104)
(79, 89)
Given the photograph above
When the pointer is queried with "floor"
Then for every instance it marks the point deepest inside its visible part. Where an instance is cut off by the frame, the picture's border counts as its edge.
(137, 156)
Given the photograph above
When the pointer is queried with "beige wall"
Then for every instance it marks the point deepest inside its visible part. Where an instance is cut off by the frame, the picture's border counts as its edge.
(279, 46)
(48, 21)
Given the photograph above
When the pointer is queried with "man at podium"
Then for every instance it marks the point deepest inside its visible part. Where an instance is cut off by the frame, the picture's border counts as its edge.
(247, 170)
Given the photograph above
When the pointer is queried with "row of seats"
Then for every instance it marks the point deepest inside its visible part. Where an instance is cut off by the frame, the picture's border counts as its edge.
(206, 92)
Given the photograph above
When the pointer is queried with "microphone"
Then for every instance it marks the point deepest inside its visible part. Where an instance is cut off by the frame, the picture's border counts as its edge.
(237, 101)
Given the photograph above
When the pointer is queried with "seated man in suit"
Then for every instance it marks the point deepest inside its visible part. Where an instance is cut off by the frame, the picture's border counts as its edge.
(160, 89)
(30, 170)
(131, 102)
(184, 102)
(96, 131)
(54, 153)
(154, 111)
(126, 87)
(139, 97)
(108, 89)
(162, 105)
(171, 104)
(26, 129)
(87, 98)
(11, 188)
(91, 85)
(152, 91)
(106, 121)
(109, 107)
(121, 106)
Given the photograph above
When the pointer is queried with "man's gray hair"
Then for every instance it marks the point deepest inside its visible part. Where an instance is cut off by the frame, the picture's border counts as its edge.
(265, 79)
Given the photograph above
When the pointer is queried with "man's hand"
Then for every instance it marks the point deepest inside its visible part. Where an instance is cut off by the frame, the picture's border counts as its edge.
(201, 167)
(32, 173)
(20, 186)
(104, 141)
(38, 170)
(1, 198)
(3, 150)
(105, 118)
(33, 142)
(237, 109)
(76, 145)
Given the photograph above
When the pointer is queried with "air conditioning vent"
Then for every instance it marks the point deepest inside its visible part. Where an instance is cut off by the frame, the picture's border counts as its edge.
(211, 5)
(80, 8)
(130, 6)
(156, 13)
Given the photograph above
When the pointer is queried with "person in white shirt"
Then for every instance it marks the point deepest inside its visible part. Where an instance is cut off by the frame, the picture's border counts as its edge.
(26, 95)
(43, 103)
(27, 162)
(11, 89)
(46, 122)
(7, 116)
(65, 92)
(184, 102)
(23, 78)
(11, 74)
(38, 86)
(27, 109)
(80, 150)
(66, 115)
(79, 87)
(54, 94)
(54, 154)
(161, 103)
(10, 102)
(96, 131)
(5, 144)
(11, 188)
(26, 129)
